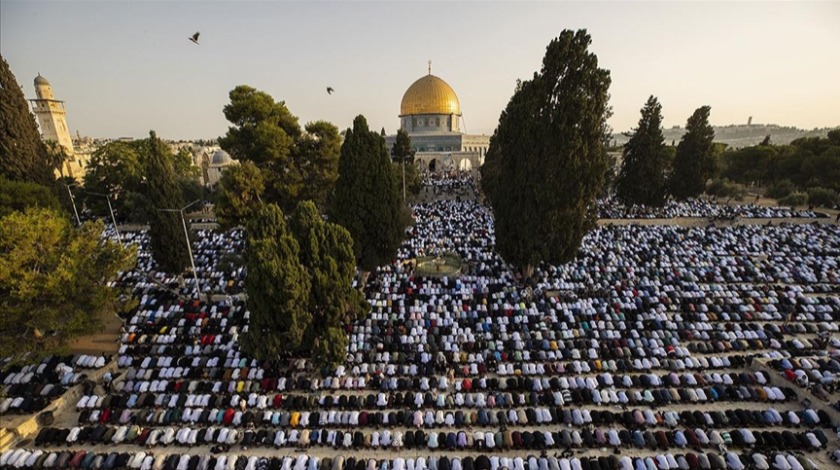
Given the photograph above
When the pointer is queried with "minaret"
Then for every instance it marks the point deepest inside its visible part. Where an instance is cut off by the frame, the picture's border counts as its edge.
(51, 115)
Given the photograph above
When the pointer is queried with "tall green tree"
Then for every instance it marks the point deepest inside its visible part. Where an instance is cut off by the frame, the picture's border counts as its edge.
(120, 168)
(547, 161)
(643, 175)
(278, 287)
(317, 156)
(694, 162)
(296, 164)
(53, 280)
(366, 202)
(326, 250)
(23, 156)
(266, 133)
(239, 195)
(166, 231)
(403, 154)
(116, 168)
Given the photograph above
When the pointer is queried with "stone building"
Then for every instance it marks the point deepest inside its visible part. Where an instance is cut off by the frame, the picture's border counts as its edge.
(430, 113)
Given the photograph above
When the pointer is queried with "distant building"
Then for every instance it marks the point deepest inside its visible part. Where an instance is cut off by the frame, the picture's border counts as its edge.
(52, 119)
(212, 167)
(430, 113)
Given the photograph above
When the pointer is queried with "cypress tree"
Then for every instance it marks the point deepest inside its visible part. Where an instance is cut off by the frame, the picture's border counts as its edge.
(23, 156)
(546, 162)
(278, 287)
(326, 251)
(367, 202)
(694, 161)
(642, 179)
(166, 230)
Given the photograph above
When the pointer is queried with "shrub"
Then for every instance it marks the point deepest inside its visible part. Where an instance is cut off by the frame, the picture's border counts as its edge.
(794, 199)
(780, 189)
(725, 188)
(822, 197)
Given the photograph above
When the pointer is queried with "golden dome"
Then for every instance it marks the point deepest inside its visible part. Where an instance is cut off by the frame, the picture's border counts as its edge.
(430, 95)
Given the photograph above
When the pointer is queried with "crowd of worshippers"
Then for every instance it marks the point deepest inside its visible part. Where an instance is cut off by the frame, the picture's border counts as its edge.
(610, 208)
(454, 182)
(31, 388)
(25, 458)
(645, 318)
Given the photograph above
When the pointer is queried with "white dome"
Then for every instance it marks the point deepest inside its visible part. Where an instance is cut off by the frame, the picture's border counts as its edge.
(221, 158)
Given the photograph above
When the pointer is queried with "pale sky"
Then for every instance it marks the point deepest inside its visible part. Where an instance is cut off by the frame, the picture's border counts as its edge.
(124, 68)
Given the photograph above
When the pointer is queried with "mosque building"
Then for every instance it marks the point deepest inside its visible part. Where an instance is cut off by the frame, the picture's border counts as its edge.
(430, 113)
(52, 119)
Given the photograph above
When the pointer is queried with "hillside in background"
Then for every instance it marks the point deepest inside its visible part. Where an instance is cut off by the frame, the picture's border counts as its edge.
(742, 135)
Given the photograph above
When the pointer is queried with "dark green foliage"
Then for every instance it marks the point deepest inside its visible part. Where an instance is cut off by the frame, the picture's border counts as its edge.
(404, 166)
(166, 230)
(822, 197)
(23, 156)
(317, 161)
(61, 273)
(326, 250)
(238, 195)
(794, 199)
(120, 168)
(807, 162)
(726, 189)
(278, 287)
(547, 161)
(296, 165)
(780, 189)
(19, 196)
(116, 168)
(694, 161)
(366, 201)
(643, 178)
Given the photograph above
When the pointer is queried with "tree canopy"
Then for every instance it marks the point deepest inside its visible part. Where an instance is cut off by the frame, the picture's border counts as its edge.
(23, 156)
(547, 160)
(405, 168)
(53, 279)
(239, 195)
(296, 164)
(809, 162)
(166, 233)
(20, 195)
(299, 285)
(367, 202)
(326, 251)
(278, 286)
(121, 168)
(694, 161)
(643, 175)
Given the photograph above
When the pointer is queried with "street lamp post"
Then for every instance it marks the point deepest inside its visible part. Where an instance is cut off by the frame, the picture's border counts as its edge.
(189, 247)
(111, 210)
(73, 201)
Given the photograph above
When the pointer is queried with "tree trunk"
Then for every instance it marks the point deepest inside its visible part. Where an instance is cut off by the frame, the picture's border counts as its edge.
(363, 280)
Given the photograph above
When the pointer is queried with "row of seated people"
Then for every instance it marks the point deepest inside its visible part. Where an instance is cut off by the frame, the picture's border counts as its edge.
(454, 440)
(142, 460)
(439, 384)
(482, 417)
(659, 396)
(610, 208)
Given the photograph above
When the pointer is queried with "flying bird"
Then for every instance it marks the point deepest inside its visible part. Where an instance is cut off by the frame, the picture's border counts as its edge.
(194, 37)
(330, 90)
